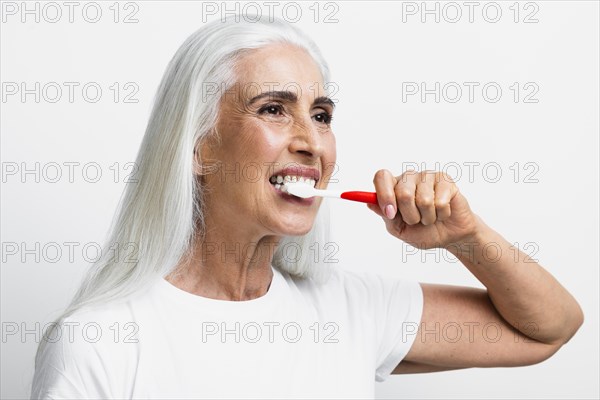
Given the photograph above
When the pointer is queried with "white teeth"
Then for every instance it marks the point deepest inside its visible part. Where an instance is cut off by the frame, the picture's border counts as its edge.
(279, 180)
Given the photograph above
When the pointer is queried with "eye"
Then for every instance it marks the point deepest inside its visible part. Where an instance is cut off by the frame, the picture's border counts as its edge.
(324, 118)
(272, 109)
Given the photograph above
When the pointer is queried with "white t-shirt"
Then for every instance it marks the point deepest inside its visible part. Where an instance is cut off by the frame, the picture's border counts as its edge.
(300, 340)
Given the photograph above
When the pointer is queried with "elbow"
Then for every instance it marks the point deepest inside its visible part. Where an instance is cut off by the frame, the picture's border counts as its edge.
(537, 353)
(575, 317)
(580, 318)
(545, 350)
(571, 327)
(577, 320)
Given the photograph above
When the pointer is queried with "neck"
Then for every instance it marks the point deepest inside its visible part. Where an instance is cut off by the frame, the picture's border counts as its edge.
(226, 266)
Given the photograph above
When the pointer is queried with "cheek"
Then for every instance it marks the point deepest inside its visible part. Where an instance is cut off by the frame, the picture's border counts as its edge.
(329, 157)
(261, 143)
(243, 136)
(332, 148)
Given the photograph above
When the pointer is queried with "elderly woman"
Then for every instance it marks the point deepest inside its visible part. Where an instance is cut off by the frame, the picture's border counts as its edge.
(223, 297)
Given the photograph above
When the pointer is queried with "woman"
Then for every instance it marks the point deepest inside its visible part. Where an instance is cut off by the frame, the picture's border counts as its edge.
(224, 298)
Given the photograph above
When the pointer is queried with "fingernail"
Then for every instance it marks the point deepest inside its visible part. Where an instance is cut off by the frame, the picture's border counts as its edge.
(389, 211)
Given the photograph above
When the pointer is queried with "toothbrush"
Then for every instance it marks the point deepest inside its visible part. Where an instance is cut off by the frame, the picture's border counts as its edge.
(303, 190)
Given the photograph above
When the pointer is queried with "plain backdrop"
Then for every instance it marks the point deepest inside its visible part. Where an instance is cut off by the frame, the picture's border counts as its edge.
(525, 157)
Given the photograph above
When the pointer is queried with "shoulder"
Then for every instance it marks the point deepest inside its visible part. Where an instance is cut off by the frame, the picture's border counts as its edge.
(107, 317)
(95, 332)
(363, 288)
(343, 278)
(91, 352)
(92, 333)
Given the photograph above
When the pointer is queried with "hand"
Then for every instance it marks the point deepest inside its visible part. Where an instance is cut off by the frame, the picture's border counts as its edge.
(424, 209)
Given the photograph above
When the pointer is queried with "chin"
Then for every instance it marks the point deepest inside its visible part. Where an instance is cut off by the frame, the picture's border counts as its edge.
(296, 228)
(298, 232)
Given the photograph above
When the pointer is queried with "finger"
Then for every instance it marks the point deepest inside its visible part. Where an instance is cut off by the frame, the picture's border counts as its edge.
(405, 197)
(444, 190)
(425, 197)
(384, 186)
(376, 209)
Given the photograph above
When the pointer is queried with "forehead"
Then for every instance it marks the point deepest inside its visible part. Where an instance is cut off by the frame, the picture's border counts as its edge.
(279, 67)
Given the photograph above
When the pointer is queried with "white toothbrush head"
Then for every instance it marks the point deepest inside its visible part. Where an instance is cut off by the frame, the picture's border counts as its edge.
(299, 189)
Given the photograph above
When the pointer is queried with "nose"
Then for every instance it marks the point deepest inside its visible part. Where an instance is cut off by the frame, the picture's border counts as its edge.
(306, 139)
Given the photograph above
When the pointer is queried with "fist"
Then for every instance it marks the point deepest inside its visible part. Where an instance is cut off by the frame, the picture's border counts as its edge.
(424, 209)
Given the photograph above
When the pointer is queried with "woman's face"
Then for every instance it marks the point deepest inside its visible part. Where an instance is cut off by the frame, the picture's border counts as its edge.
(274, 122)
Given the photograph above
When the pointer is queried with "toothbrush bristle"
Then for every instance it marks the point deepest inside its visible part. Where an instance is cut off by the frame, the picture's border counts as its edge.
(299, 189)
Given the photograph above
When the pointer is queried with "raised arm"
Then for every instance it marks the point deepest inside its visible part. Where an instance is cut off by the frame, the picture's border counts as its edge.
(523, 317)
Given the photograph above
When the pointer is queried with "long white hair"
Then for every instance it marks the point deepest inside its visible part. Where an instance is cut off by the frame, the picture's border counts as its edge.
(161, 215)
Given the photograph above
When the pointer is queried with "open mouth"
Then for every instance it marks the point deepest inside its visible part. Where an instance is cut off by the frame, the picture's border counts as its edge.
(279, 180)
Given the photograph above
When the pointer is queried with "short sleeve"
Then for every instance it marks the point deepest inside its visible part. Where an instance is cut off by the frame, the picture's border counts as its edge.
(82, 360)
(67, 365)
(398, 311)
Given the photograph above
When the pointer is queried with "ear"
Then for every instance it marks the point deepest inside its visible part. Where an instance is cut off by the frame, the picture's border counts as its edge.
(197, 158)
(204, 154)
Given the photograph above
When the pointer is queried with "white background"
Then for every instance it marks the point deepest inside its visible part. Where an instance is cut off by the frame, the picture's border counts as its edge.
(371, 52)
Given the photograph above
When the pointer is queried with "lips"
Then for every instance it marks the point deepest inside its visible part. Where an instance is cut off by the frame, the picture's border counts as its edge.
(310, 176)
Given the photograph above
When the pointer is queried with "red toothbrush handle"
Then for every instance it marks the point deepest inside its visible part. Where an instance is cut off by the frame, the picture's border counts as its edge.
(363, 197)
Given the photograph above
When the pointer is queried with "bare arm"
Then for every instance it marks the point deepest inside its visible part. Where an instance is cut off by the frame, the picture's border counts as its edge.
(523, 317)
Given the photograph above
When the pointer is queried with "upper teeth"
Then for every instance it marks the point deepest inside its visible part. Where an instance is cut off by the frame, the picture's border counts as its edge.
(279, 180)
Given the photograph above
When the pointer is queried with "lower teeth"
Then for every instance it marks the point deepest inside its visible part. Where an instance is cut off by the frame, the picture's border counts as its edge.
(281, 187)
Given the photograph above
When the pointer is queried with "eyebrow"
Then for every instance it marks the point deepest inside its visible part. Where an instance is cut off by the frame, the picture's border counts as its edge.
(289, 96)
